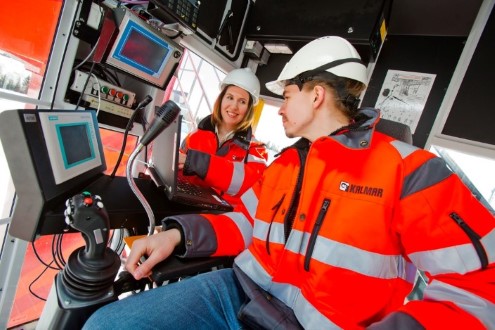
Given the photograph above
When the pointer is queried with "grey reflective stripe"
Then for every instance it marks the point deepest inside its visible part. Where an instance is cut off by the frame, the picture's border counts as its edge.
(276, 232)
(488, 242)
(248, 264)
(405, 149)
(254, 159)
(310, 317)
(307, 314)
(297, 241)
(244, 226)
(410, 272)
(237, 179)
(482, 309)
(250, 201)
(341, 255)
(430, 173)
(336, 254)
(455, 259)
(260, 229)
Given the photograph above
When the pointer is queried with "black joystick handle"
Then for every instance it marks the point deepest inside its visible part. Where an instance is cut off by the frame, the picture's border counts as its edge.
(86, 213)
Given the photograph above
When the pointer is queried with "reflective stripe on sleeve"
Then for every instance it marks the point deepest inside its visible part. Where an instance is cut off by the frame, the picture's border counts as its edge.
(482, 309)
(455, 259)
(405, 149)
(237, 178)
(243, 224)
(250, 202)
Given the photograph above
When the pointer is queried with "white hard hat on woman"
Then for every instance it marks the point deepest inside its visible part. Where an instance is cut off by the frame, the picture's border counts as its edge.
(245, 79)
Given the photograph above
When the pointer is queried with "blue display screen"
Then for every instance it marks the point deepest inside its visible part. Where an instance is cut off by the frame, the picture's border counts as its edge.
(142, 50)
(75, 144)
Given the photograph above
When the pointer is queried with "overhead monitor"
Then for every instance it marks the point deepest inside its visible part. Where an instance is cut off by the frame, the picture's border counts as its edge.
(52, 154)
(142, 51)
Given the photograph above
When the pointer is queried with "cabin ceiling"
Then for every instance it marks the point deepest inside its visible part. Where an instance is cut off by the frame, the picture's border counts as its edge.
(433, 17)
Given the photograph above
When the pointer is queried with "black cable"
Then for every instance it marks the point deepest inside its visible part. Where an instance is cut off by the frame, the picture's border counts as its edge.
(41, 260)
(54, 252)
(84, 87)
(37, 278)
(60, 250)
(146, 100)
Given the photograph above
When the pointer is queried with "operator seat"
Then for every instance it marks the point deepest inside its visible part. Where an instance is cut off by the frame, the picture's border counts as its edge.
(174, 268)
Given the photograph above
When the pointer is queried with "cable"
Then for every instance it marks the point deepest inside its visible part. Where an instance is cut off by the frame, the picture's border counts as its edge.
(41, 260)
(99, 94)
(89, 55)
(37, 278)
(54, 256)
(84, 87)
(141, 105)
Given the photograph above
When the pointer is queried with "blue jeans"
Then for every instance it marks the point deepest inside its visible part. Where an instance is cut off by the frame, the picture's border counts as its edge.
(205, 301)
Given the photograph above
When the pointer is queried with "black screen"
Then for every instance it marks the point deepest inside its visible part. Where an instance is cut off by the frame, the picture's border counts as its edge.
(75, 143)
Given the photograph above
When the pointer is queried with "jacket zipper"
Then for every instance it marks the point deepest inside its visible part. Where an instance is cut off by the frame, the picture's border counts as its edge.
(474, 237)
(314, 233)
(275, 209)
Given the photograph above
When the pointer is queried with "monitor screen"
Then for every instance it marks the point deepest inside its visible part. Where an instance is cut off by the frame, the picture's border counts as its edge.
(143, 52)
(70, 139)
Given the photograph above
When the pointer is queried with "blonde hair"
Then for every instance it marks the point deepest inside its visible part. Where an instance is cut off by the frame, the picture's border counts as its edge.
(216, 116)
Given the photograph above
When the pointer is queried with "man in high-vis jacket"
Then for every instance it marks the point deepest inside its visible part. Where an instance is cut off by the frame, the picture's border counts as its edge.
(339, 223)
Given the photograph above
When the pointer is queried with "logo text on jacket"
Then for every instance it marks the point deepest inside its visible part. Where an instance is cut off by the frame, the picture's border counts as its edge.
(356, 189)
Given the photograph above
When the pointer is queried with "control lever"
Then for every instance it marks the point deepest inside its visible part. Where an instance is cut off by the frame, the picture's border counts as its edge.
(87, 280)
(86, 213)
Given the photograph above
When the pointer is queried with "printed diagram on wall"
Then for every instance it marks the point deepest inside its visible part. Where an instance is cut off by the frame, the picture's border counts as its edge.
(403, 96)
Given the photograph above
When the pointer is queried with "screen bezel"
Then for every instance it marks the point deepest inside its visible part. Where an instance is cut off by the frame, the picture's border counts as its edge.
(131, 23)
(51, 124)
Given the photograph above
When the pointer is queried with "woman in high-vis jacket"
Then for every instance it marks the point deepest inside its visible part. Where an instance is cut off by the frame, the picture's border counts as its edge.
(223, 152)
(338, 225)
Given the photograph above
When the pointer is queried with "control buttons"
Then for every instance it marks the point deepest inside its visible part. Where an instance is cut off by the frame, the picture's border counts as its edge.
(88, 201)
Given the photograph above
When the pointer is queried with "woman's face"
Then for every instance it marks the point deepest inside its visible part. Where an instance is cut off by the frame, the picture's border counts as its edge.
(235, 105)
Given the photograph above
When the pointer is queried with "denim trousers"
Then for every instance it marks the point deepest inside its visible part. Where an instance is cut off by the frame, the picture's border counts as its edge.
(205, 301)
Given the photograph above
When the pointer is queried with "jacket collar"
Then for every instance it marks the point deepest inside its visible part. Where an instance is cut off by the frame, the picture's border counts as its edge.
(241, 138)
(355, 136)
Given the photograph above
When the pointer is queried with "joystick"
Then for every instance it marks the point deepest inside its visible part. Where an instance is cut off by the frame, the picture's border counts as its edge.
(86, 213)
(87, 280)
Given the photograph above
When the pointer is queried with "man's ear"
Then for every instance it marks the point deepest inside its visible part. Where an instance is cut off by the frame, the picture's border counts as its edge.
(319, 94)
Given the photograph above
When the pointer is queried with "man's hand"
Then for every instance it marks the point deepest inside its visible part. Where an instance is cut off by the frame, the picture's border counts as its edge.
(156, 248)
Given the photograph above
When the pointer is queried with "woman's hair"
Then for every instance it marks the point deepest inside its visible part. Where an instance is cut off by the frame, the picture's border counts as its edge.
(216, 116)
(346, 92)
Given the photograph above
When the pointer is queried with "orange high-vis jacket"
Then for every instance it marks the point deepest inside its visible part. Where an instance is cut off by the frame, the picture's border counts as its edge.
(340, 226)
(231, 168)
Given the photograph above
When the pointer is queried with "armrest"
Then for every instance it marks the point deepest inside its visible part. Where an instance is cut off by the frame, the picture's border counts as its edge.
(173, 267)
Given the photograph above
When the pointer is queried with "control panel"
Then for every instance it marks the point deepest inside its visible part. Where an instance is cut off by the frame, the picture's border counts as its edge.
(185, 11)
(103, 95)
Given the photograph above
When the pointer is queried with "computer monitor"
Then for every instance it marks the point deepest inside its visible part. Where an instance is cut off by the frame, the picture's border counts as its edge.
(52, 154)
(142, 51)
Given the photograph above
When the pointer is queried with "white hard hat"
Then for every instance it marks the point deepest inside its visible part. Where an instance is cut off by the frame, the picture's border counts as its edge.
(245, 79)
(332, 54)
